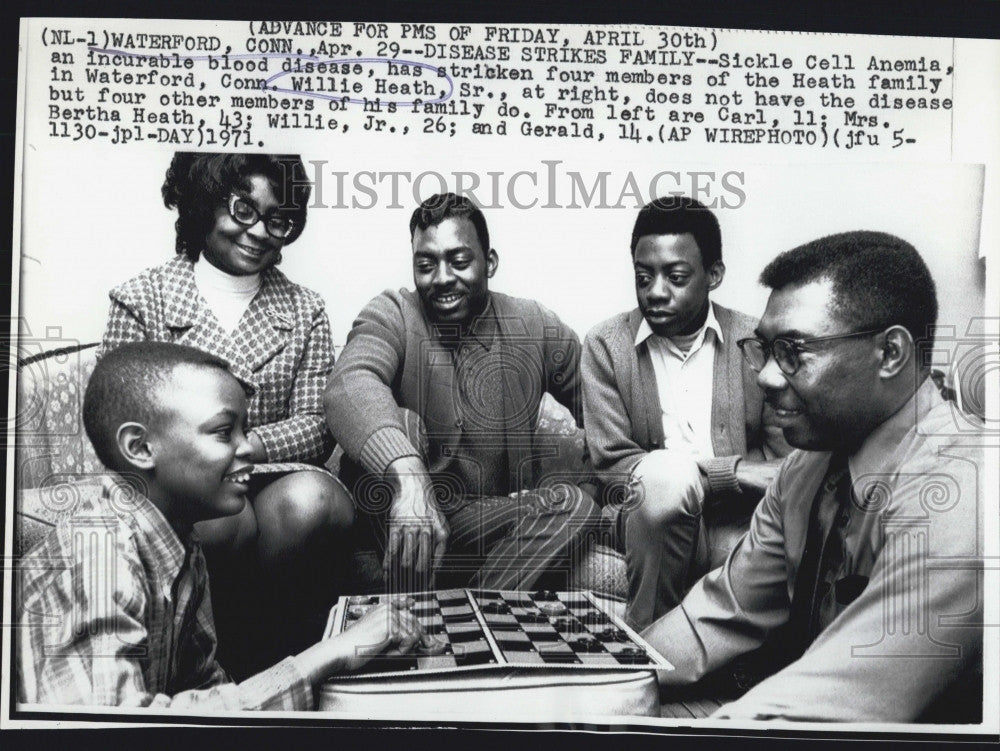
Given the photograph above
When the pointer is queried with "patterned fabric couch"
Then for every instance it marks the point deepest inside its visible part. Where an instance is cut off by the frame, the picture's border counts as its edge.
(54, 461)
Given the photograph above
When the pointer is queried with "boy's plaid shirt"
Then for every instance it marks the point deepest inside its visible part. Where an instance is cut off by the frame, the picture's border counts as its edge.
(282, 346)
(115, 610)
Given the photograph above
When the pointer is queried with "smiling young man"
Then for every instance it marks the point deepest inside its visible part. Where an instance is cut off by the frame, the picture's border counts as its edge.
(671, 407)
(438, 392)
(858, 573)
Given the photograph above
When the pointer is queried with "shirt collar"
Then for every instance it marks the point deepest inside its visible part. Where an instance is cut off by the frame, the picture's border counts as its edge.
(144, 519)
(876, 453)
(483, 330)
(711, 324)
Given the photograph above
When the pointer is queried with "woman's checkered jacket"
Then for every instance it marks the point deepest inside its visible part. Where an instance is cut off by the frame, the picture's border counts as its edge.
(281, 346)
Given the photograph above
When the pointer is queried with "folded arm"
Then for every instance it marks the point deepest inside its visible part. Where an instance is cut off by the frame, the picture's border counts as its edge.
(908, 636)
(730, 611)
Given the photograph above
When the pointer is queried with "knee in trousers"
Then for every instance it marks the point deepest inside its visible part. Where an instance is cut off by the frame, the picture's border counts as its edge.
(666, 485)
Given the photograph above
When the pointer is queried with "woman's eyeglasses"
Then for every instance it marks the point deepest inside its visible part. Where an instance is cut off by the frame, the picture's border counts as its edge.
(786, 350)
(243, 212)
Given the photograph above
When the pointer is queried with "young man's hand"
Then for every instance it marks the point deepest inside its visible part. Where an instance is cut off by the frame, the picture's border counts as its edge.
(382, 628)
(755, 476)
(418, 531)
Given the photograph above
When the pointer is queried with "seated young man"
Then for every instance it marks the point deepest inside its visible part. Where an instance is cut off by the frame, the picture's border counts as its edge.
(438, 393)
(115, 601)
(671, 407)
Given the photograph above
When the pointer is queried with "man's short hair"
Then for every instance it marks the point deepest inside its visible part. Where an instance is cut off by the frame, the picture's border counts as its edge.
(443, 206)
(878, 280)
(125, 386)
(680, 215)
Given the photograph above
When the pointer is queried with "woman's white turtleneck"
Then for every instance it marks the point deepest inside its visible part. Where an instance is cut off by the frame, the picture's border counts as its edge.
(227, 296)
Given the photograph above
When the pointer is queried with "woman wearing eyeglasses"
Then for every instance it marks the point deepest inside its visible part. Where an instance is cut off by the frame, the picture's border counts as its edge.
(223, 293)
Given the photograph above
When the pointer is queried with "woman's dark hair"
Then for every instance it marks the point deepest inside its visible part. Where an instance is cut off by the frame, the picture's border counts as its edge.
(198, 183)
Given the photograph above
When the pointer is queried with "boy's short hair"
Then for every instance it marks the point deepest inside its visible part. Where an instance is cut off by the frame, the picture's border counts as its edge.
(680, 215)
(124, 388)
(442, 206)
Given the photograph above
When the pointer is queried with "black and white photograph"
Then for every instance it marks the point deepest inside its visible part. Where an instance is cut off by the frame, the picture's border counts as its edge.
(617, 377)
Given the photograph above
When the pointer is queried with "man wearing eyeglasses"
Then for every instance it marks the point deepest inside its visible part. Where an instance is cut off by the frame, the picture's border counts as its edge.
(675, 422)
(858, 576)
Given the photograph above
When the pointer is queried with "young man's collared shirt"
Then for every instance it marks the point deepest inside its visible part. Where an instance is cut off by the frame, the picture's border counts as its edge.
(684, 382)
(116, 611)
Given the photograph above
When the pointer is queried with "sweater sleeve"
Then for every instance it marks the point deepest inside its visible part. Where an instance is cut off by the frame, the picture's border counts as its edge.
(361, 408)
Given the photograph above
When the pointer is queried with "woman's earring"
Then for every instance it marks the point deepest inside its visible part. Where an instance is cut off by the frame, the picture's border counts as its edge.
(278, 259)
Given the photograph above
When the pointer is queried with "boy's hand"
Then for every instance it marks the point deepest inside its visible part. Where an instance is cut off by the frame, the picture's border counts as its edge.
(382, 628)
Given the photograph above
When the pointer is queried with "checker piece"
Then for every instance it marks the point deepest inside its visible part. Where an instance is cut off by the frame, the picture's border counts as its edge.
(552, 607)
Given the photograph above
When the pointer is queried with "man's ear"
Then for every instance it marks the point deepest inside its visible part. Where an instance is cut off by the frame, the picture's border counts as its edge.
(492, 261)
(898, 351)
(132, 439)
(716, 272)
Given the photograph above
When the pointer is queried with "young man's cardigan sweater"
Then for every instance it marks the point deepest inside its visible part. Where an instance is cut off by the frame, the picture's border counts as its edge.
(622, 405)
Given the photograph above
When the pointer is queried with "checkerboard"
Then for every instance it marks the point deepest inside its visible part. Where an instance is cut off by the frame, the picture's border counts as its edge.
(467, 629)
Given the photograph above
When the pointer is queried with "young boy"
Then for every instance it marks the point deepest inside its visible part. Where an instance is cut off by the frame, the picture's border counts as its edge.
(115, 600)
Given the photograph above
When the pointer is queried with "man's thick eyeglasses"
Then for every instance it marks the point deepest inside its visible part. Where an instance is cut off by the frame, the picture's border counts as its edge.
(785, 350)
(279, 227)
